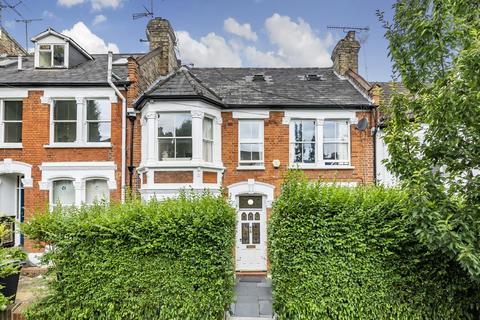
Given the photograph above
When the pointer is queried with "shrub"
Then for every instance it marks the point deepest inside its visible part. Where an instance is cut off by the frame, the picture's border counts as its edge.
(168, 260)
(351, 253)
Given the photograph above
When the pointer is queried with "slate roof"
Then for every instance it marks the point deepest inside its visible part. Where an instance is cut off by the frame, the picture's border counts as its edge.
(233, 87)
(91, 72)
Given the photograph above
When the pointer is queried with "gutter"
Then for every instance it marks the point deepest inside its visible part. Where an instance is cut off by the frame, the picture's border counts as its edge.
(124, 124)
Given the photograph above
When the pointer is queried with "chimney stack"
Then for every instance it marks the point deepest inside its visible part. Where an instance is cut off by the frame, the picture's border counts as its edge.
(160, 33)
(345, 54)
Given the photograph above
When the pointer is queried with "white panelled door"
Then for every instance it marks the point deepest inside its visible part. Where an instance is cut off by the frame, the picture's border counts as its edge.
(251, 253)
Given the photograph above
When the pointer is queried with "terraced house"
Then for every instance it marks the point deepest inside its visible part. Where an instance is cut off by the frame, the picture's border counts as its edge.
(77, 127)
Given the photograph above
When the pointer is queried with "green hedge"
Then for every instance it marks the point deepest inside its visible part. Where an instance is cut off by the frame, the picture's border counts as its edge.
(351, 253)
(168, 260)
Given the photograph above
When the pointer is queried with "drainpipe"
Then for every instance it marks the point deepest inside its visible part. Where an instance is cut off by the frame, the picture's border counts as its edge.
(131, 167)
(375, 132)
(124, 119)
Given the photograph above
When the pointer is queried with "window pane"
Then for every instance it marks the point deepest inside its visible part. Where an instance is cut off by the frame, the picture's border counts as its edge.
(184, 148)
(245, 151)
(45, 59)
(297, 152)
(249, 129)
(99, 110)
(342, 150)
(207, 151)
(297, 128)
(342, 130)
(329, 130)
(245, 233)
(165, 125)
(99, 131)
(257, 152)
(183, 125)
(256, 233)
(329, 151)
(63, 192)
(250, 216)
(65, 110)
(166, 149)
(97, 190)
(308, 130)
(244, 216)
(13, 132)
(208, 128)
(13, 110)
(308, 152)
(58, 55)
(252, 202)
(65, 132)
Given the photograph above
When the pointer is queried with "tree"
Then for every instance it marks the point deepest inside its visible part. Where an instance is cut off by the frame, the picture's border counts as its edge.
(433, 131)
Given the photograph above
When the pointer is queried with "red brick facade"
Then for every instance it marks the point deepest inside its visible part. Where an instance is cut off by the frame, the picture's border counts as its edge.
(276, 142)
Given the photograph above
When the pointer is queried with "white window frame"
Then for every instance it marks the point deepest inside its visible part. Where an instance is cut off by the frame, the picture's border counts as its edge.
(205, 140)
(107, 200)
(174, 137)
(81, 140)
(52, 49)
(52, 203)
(319, 163)
(292, 142)
(337, 163)
(85, 119)
(4, 144)
(252, 164)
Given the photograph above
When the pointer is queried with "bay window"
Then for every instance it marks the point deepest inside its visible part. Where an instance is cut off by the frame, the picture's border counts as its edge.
(98, 120)
(174, 136)
(208, 139)
(336, 140)
(11, 116)
(250, 143)
(63, 193)
(303, 143)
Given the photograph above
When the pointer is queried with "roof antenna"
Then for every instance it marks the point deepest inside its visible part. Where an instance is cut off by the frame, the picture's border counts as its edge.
(146, 13)
(5, 5)
(27, 22)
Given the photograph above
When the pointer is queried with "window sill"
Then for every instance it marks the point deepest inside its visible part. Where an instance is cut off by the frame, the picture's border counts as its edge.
(11, 146)
(79, 146)
(250, 168)
(319, 167)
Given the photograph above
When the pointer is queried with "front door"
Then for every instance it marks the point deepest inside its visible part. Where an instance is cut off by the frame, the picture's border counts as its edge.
(251, 253)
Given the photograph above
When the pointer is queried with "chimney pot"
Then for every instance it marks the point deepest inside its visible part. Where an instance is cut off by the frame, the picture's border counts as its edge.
(345, 54)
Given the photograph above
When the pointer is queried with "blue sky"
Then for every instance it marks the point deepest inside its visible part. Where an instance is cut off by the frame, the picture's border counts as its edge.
(220, 32)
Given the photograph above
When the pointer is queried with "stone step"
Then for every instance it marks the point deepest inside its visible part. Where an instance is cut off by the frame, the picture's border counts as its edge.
(252, 318)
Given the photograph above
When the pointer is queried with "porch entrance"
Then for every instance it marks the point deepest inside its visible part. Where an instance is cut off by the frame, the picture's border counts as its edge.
(11, 206)
(251, 253)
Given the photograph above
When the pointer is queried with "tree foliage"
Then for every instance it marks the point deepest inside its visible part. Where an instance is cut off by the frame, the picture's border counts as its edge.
(168, 260)
(433, 131)
(350, 253)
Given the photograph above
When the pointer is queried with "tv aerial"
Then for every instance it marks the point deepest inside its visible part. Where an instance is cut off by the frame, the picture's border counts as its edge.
(6, 5)
(146, 13)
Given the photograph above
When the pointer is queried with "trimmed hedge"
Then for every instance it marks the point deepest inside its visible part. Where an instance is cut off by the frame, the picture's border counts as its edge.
(168, 260)
(351, 253)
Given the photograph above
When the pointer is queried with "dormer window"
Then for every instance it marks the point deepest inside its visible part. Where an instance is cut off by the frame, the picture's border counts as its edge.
(51, 55)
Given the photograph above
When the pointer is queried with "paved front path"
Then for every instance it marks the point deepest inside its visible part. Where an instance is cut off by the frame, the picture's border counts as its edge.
(253, 298)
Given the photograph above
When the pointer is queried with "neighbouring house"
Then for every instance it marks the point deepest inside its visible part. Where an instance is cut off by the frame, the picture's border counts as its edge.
(9, 46)
(66, 137)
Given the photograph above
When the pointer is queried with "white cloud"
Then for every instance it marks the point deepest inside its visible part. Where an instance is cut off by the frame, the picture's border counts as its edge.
(242, 30)
(48, 14)
(88, 40)
(297, 43)
(100, 18)
(97, 5)
(69, 3)
(211, 50)
(294, 43)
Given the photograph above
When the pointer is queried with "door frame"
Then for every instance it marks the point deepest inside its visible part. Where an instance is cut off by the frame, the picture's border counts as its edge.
(250, 188)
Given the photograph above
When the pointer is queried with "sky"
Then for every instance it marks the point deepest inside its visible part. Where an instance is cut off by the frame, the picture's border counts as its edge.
(220, 33)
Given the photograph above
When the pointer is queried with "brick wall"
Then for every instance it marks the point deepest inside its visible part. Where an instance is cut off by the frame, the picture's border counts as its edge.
(36, 134)
(276, 141)
(173, 177)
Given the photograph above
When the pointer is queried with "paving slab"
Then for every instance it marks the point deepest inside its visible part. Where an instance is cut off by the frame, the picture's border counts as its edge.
(253, 298)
